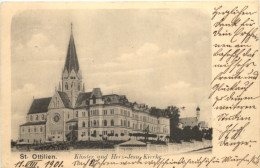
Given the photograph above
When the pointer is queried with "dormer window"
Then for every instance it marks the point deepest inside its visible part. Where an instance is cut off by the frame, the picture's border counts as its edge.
(31, 117)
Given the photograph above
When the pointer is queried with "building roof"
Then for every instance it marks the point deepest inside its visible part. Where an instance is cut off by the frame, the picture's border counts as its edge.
(39, 105)
(34, 123)
(65, 99)
(71, 59)
(189, 121)
(203, 124)
(82, 99)
(97, 93)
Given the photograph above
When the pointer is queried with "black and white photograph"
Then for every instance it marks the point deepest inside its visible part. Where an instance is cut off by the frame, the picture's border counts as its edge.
(121, 80)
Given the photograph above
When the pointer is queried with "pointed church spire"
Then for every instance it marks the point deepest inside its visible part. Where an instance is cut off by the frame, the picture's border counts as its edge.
(71, 62)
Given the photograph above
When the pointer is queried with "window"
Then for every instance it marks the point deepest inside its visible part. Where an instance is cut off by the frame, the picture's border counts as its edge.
(68, 115)
(34, 129)
(83, 114)
(91, 123)
(95, 123)
(112, 122)
(31, 117)
(37, 117)
(141, 126)
(77, 113)
(121, 111)
(83, 124)
(94, 100)
(97, 112)
(43, 117)
(105, 122)
(66, 86)
(40, 129)
(128, 114)
(121, 122)
(105, 112)
(128, 123)
(78, 86)
(88, 124)
(112, 111)
(124, 122)
(29, 130)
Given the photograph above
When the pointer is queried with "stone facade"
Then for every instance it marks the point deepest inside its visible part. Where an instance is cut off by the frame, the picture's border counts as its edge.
(73, 114)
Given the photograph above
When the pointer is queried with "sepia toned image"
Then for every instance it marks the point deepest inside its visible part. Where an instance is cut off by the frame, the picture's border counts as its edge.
(92, 79)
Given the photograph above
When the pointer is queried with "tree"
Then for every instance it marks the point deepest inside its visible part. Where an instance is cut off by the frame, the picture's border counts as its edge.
(196, 133)
(187, 133)
(173, 113)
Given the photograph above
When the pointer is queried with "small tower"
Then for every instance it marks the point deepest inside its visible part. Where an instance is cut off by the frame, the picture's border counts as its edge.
(71, 75)
(198, 113)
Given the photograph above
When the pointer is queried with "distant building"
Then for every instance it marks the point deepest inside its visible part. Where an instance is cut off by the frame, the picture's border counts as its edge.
(73, 114)
(193, 121)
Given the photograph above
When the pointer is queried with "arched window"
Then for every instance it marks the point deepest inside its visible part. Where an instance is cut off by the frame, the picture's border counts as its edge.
(95, 123)
(66, 86)
(77, 114)
(83, 124)
(112, 122)
(105, 122)
(31, 117)
(37, 117)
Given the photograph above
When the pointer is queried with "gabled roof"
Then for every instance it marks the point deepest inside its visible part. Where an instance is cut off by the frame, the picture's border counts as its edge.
(65, 99)
(82, 99)
(97, 93)
(39, 105)
(71, 59)
(189, 121)
(34, 123)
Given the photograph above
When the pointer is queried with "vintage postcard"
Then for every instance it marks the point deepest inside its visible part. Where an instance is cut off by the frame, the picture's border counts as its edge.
(130, 84)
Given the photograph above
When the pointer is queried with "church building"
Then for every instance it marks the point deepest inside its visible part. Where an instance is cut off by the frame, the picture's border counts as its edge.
(73, 114)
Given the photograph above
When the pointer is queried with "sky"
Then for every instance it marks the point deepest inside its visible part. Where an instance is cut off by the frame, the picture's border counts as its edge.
(159, 57)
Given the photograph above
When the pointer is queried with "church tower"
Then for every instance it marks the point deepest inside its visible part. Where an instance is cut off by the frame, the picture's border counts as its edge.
(71, 75)
(198, 113)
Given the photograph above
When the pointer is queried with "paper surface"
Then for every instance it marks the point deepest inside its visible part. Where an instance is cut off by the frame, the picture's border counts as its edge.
(175, 84)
